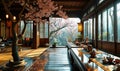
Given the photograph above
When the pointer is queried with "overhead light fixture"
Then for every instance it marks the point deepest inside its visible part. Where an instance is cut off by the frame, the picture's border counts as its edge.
(7, 16)
(14, 18)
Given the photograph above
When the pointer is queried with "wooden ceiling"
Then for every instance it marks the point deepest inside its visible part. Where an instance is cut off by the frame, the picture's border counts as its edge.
(75, 7)
(72, 4)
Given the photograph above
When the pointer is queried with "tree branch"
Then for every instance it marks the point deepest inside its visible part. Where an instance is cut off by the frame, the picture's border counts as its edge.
(57, 30)
(11, 2)
(22, 10)
(7, 9)
(23, 30)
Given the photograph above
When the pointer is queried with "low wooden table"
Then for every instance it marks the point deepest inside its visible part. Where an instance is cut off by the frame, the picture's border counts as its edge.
(80, 55)
(96, 63)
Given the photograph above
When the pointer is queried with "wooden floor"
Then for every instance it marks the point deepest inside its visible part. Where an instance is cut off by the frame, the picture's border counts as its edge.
(54, 59)
(58, 60)
(43, 59)
(27, 53)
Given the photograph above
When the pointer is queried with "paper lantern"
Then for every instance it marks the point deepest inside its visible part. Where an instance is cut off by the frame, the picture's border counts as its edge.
(80, 28)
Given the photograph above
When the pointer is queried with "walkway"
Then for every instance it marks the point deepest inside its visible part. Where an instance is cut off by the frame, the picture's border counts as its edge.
(58, 60)
(52, 59)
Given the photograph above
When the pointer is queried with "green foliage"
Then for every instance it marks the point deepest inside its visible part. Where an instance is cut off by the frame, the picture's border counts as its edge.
(79, 36)
(55, 41)
(104, 34)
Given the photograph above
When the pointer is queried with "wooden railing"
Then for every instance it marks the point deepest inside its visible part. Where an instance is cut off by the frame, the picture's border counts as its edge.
(74, 58)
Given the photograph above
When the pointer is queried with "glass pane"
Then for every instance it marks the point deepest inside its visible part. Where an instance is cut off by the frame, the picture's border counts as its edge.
(110, 24)
(90, 29)
(118, 22)
(29, 29)
(46, 30)
(99, 27)
(41, 30)
(85, 29)
(104, 24)
(27, 32)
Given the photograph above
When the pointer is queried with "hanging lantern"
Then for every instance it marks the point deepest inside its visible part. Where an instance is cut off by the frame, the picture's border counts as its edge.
(80, 28)
(7, 16)
(14, 18)
(8, 22)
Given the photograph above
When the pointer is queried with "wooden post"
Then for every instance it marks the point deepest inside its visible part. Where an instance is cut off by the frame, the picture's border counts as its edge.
(35, 36)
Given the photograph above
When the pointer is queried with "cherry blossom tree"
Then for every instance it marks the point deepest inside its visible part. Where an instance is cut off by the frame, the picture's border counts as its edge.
(63, 30)
(56, 24)
(36, 10)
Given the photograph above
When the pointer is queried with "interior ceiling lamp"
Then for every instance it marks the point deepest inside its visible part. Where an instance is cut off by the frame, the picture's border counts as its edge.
(8, 23)
(7, 16)
(80, 29)
(14, 18)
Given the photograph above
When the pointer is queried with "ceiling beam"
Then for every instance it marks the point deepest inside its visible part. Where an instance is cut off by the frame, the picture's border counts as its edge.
(71, 0)
(70, 3)
(71, 9)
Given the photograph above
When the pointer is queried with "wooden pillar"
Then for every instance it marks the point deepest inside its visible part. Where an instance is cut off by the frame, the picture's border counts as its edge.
(115, 28)
(0, 27)
(35, 36)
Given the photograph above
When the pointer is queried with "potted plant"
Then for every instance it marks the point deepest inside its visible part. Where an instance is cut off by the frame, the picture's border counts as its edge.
(79, 36)
(54, 43)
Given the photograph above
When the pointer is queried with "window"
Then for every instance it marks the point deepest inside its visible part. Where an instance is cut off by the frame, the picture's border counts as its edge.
(29, 29)
(44, 30)
(104, 24)
(63, 30)
(90, 28)
(107, 23)
(110, 24)
(118, 22)
(99, 27)
(85, 29)
(41, 30)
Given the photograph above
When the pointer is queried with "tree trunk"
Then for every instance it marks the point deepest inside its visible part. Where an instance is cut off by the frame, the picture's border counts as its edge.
(14, 44)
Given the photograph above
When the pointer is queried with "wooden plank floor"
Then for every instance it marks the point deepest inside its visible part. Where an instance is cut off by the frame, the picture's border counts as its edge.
(27, 53)
(53, 59)
(58, 60)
